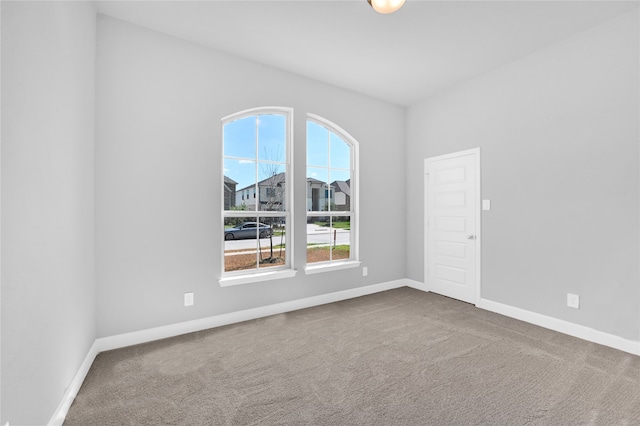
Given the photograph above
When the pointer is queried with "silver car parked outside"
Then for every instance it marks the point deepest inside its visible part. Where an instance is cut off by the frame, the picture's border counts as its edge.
(248, 230)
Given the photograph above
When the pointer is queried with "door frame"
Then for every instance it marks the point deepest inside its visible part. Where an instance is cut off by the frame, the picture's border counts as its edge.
(478, 211)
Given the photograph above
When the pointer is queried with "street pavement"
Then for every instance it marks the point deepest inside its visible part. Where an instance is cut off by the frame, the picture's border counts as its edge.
(315, 235)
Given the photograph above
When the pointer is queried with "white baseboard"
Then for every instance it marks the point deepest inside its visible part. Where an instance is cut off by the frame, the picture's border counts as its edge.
(565, 327)
(575, 330)
(143, 336)
(72, 390)
(416, 284)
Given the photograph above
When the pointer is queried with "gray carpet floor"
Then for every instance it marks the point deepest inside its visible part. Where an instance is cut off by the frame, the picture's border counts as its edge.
(401, 357)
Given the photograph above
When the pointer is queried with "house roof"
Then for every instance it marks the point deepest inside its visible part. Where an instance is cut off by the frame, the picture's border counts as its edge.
(313, 180)
(276, 179)
(227, 179)
(342, 186)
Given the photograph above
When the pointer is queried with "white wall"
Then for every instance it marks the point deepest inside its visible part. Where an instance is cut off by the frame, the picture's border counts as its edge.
(559, 134)
(158, 178)
(48, 287)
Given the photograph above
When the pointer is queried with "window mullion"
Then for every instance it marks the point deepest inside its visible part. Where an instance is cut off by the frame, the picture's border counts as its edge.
(257, 175)
(329, 175)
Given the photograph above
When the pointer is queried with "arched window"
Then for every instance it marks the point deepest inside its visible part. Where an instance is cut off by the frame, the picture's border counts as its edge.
(257, 191)
(332, 194)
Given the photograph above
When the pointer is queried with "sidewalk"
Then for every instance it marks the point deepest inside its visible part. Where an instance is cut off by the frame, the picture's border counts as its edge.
(314, 229)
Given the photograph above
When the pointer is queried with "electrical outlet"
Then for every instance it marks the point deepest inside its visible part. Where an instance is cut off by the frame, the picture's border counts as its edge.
(573, 301)
(365, 271)
(188, 299)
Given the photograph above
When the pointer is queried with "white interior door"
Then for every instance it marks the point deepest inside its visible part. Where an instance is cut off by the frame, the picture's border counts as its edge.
(452, 224)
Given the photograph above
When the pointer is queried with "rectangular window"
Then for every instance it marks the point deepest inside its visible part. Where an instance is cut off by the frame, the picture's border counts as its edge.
(330, 239)
(256, 242)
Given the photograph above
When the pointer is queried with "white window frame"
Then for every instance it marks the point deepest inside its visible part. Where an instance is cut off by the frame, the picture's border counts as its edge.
(354, 241)
(274, 272)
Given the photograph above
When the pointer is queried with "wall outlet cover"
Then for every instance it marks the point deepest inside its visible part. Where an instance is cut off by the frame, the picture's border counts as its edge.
(573, 300)
(188, 299)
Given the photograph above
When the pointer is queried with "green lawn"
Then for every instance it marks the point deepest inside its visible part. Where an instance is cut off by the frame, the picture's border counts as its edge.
(336, 224)
(344, 248)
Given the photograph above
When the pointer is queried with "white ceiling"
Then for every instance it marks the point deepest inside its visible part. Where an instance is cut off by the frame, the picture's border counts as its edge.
(400, 58)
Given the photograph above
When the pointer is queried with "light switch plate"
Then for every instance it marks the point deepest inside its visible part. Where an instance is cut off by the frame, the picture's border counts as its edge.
(486, 204)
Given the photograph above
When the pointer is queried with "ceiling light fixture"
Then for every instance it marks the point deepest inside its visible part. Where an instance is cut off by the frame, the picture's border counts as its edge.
(386, 6)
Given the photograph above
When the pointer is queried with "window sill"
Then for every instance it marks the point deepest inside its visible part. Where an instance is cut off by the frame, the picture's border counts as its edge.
(326, 267)
(257, 277)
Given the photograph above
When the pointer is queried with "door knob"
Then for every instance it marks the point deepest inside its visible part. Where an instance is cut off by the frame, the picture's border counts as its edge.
(471, 237)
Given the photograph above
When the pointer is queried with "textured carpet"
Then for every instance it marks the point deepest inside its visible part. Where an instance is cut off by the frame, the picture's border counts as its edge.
(402, 357)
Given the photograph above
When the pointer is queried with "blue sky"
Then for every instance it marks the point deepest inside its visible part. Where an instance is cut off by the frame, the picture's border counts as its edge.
(325, 149)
